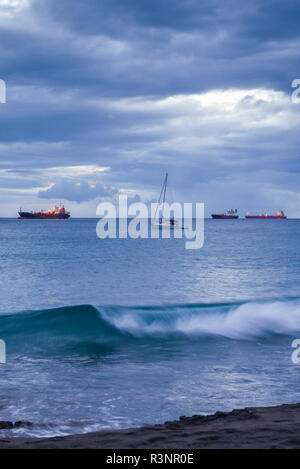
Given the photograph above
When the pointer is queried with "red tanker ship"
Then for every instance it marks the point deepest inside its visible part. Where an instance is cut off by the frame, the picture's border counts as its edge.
(57, 213)
(279, 215)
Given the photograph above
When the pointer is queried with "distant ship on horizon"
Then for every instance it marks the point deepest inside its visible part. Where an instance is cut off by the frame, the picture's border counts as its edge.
(58, 212)
(279, 215)
(231, 214)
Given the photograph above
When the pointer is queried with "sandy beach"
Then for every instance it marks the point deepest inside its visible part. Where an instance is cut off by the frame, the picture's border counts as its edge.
(252, 427)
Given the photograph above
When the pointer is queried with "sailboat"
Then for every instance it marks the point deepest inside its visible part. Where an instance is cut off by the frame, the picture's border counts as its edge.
(164, 222)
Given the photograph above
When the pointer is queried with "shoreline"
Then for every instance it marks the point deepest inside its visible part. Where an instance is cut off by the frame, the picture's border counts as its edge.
(251, 427)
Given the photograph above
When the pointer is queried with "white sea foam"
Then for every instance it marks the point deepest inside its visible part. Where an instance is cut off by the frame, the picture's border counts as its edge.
(245, 321)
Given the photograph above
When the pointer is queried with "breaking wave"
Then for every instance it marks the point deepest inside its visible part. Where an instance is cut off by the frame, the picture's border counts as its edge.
(80, 328)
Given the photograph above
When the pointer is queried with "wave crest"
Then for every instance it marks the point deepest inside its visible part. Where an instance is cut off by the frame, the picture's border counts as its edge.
(235, 321)
(84, 327)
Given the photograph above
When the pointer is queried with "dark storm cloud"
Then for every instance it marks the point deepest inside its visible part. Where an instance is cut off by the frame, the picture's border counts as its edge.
(169, 47)
(74, 69)
(180, 46)
(261, 20)
(119, 17)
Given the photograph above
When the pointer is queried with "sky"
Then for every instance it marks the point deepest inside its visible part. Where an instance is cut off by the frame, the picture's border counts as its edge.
(104, 96)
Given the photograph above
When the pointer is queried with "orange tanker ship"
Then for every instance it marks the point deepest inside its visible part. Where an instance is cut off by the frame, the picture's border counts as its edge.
(57, 213)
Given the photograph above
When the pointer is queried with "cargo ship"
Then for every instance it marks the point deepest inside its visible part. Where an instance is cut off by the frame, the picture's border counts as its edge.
(57, 213)
(279, 215)
(231, 214)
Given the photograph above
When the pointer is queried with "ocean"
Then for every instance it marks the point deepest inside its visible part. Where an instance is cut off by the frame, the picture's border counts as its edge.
(117, 333)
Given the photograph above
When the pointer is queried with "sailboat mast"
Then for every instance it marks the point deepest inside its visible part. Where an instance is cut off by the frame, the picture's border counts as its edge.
(165, 187)
(162, 195)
